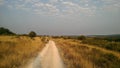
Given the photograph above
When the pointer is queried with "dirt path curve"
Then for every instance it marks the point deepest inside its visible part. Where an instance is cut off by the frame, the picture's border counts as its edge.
(48, 58)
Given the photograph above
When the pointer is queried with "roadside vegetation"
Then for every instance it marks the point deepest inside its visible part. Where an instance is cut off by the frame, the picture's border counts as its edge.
(76, 51)
(78, 55)
(5, 31)
(111, 45)
(110, 42)
(17, 50)
(32, 34)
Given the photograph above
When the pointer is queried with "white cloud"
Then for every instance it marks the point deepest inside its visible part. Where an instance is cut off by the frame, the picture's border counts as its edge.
(67, 8)
(111, 5)
(111, 8)
(111, 2)
(53, 1)
(19, 7)
(46, 8)
(38, 4)
(68, 3)
(30, 1)
(1, 2)
(82, 7)
(76, 9)
(10, 6)
(51, 8)
(117, 5)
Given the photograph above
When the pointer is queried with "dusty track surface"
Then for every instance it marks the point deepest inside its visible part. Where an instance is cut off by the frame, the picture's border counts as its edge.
(48, 58)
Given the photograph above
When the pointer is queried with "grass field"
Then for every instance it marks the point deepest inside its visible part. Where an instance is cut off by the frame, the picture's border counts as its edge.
(15, 51)
(110, 45)
(78, 55)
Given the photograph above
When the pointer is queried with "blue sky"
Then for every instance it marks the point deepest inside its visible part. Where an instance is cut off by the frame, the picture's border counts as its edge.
(61, 17)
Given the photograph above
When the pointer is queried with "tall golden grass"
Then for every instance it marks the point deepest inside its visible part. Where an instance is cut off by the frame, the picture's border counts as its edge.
(17, 50)
(77, 55)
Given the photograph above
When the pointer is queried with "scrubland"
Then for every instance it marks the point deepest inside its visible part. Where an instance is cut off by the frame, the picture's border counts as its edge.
(110, 45)
(15, 51)
(75, 54)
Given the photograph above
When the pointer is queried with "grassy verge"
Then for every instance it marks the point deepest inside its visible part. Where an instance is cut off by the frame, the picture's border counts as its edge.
(17, 50)
(76, 55)
(111, 45)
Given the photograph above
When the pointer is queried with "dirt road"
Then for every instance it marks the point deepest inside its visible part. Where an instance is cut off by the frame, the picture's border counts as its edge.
(48, 58)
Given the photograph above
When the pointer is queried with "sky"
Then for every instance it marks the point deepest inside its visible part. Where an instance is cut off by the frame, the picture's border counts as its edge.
(61, 17)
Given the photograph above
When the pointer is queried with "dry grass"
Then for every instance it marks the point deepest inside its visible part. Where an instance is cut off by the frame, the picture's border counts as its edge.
(71, 57)
(77, 55)
(117, 54)
(17, 50)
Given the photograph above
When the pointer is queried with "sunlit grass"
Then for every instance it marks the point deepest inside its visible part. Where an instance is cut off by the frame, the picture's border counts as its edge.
(17, 50)
(110, 45)
(78, 55)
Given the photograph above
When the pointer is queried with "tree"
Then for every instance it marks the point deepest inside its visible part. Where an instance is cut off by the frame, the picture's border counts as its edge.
(5, 31)
(32, 34)
(82, 37)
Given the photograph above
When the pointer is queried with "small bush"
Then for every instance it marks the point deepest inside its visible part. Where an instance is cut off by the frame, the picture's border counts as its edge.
(32, 34)
(103, 43)
(82, 37)
(4, 31)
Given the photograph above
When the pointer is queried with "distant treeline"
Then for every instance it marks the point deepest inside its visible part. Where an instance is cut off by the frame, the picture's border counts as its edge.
(108, 42)
(111, 45)
(109, 38)
(81, 37)
(115, 38)
(5, 31)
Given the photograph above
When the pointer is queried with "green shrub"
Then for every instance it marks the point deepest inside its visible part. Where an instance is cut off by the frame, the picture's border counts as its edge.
(82, 37)
(32, 34)
(4, 31)
(103, 43)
